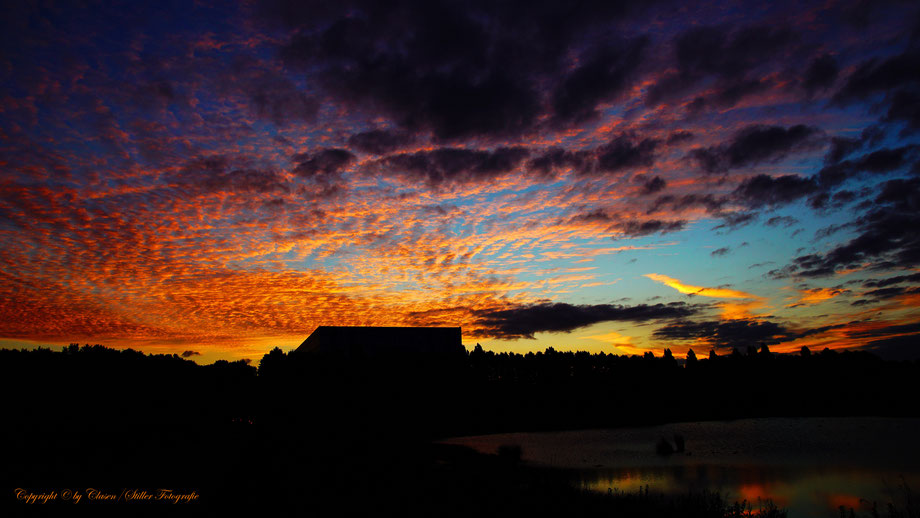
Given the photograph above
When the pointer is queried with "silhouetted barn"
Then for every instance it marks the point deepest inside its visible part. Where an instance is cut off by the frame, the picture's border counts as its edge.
(381, 341)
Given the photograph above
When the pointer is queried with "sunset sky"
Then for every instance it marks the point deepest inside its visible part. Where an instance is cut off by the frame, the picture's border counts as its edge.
(604, 176)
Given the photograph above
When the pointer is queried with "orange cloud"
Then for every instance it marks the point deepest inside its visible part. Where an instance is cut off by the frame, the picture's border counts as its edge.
(730, 310)
(740, 310)
(815, 296)
(688, 289)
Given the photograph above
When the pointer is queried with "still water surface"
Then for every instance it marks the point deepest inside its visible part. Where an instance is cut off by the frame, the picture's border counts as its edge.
(811, 466)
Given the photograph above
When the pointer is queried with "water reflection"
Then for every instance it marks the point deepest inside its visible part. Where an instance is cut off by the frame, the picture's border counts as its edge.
(810, 466)
(804, 491)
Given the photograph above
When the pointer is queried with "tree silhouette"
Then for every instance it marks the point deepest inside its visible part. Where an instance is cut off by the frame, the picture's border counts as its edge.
(272, 364)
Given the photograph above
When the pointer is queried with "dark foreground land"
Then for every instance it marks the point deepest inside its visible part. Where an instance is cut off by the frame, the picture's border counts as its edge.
(309, 435)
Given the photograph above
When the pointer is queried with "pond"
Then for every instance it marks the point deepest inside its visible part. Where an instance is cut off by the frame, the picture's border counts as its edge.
(811, 466)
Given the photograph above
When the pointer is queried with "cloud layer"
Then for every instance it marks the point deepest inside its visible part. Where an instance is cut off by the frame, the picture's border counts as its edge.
(211, 178)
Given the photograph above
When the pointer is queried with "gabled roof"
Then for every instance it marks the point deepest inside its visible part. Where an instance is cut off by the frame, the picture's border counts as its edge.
(372, 341)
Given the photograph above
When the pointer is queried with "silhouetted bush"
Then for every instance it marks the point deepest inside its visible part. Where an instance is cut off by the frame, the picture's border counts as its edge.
(510, 453)
(664, 447)
(679, 443)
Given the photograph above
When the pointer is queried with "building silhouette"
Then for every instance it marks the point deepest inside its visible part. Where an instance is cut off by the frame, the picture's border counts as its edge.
(369, 342)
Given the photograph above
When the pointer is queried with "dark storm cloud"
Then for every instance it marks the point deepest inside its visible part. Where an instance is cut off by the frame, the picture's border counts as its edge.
(727, 333)
(861, 14)
(653, 185)
(763, 190)
(725, 54)
(784, 221)
(898, 77)
(887, 235)
(735, 91)
(224, 173)
(602, 77)
(559, 159)
(524, 321)
(713, 50)
(898, 279)
(729, 95)
(757, 144)
(323, 163)
(379, 142)
(280, 101)
(156, 94)
(842, 147)
(679, 136)
(891, 292)
(248, 180)
(823, 200)
(738, 333)
(820, 74)
(713, 204)
(833, 175)
(626, 152)
(880, 161)
(651, 226)
(631, 227)
(361, 63)
(875, 76)
(266, 91)
(595, 216)
(830, 230)
(449, 165)
(885, 160)
(443, 67)
(736, 220)
(905, 107)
